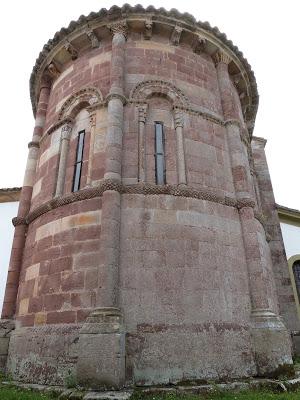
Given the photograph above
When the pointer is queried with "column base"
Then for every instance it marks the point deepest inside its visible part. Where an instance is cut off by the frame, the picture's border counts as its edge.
(6, 327)
(272, 344)
(101, 350)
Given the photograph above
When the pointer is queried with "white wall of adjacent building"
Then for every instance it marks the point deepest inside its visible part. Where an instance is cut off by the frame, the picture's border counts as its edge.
(291, 238)
(7, 212)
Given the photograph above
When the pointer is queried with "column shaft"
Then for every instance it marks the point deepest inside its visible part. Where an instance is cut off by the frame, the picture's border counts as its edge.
(12, 285)
(64, 150)
(180, 148)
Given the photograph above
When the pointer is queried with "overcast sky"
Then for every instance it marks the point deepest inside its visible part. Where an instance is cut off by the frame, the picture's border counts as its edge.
(265, 31)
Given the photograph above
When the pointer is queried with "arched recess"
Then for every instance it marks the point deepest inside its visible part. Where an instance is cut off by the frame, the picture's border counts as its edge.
(292, 263)
(83, 98)
(74, 111)
(142, 95)
(146, 89)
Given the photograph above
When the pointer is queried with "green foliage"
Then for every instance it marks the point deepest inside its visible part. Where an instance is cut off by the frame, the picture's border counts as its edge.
(14, 393)
(70, 380)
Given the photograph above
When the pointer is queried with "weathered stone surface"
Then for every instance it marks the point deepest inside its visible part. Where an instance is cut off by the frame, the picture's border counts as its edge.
(169, 277)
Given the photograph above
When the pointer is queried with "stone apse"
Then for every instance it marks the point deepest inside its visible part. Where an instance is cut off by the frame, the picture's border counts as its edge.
(142, 253)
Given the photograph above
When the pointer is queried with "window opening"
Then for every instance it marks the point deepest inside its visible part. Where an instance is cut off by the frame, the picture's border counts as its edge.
(160, 168)
(78, 161)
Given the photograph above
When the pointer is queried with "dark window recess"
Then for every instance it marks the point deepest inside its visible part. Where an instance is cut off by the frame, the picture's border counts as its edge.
(78, 161)
(160, 168)
(296, 272)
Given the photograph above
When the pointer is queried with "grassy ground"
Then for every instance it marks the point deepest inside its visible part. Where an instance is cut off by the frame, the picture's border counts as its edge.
(253, 395)
(11, 393)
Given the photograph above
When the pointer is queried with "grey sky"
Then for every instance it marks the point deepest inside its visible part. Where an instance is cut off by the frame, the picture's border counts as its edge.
(265, 31)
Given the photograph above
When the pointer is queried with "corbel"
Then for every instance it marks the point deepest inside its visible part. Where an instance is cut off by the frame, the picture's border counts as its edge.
(176, 34)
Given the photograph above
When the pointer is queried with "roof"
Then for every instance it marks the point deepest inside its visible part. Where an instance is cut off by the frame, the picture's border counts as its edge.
(10, 194)
(98, 22)
(288, 215)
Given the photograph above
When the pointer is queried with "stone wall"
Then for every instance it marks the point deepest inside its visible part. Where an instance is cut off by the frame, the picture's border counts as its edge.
(125, 281)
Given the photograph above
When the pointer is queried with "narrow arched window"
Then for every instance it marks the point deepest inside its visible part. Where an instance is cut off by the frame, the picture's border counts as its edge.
(78, 161)
(160, 165)
(296, 272)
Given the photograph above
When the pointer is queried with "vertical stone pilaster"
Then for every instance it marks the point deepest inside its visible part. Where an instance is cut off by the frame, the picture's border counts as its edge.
(142, 143)
(181, 172)
(115, 101)
(12, 285)
(64, 149)
(103, 345)
(271, 342)
(91, 153)
(272, 223)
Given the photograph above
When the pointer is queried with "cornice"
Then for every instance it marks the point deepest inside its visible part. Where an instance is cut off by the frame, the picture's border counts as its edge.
(288, 215)
(210, 38)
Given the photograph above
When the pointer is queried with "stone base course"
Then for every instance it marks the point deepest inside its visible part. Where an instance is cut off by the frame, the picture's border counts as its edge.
(276, 386)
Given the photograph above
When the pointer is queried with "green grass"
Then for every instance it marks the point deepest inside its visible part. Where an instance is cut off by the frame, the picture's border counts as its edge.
(13, 393)
(253, 395)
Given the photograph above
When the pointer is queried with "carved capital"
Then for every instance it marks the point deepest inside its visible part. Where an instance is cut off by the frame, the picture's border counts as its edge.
(198, 44)
(93, 38)
(176, 34)
(221, 57)
(19, 221)
(53, 70)
(142, 109)
(66, 131)
(33, 144)
(119, 96)
(119, 27)
(71, 50)
(178, 118)
(93, 119)
(148, 29)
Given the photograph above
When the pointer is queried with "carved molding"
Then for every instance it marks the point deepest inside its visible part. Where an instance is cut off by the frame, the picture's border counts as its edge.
(148, 29)
(146, 89)
(57, 125)
(221, 57)
(84, 97)
(119, 27)
(139, 188)
(176, 34)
